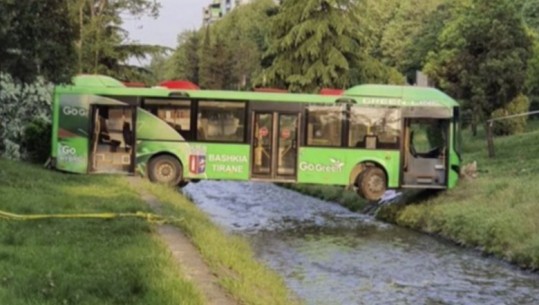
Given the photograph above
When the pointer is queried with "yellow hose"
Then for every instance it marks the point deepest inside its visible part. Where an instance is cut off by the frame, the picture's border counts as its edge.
(149, 217)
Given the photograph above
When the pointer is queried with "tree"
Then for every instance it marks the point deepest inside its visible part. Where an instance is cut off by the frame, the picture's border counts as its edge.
(104, 46)
(215, 63)
(37, 38)
(425, 38)
(313, 43)
(374, 16)
(245, 32)
(185, 62)
(482, 55)
(483, 58)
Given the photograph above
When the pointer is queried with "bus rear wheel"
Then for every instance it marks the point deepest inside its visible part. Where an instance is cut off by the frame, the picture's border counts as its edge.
(165, 170)
(372, 183)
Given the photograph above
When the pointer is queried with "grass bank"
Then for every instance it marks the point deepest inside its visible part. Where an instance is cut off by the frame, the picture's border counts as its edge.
(498, 212)
(230, 257)
(81, 261)
(112, 261)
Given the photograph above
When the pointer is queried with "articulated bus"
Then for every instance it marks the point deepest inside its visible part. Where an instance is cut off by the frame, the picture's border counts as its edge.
(371, 137)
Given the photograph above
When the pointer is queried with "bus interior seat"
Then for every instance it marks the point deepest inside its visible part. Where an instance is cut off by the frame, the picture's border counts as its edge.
(371, 141)
(104, 136)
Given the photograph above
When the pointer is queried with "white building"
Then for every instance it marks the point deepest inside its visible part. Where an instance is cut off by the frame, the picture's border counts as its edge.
(219, 8)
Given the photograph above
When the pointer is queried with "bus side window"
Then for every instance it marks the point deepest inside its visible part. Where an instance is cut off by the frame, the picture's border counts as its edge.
(176, 113)
(324, 126)
(221, 121)
(375, 128)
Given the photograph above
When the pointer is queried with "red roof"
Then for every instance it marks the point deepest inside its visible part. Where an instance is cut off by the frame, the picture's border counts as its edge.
(179, 84)
(330, 91)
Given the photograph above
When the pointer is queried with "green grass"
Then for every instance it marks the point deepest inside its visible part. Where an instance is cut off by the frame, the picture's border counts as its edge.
(498, 212)
(229, 257)
(81, 261)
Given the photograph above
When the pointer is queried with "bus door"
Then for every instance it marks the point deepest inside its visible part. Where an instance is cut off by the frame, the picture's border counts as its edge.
(275, 145)
(426, 144)
(112, 148)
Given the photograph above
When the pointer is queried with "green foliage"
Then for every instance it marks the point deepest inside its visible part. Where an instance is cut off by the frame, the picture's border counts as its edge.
(245, 31)
(374, 16)
(104, 46)
(413, 20)
(530, 13)
(226, 55)
(215, 64)
(482, 55)
(521, 104)
(19, 105)
(185, 61)
(36, 38)
(36, 141)
(314, 45)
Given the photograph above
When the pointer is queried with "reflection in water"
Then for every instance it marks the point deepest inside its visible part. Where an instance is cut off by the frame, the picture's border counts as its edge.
(329, 255)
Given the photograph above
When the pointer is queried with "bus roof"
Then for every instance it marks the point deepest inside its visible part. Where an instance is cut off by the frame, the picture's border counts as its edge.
(399, 96)
(375, 95)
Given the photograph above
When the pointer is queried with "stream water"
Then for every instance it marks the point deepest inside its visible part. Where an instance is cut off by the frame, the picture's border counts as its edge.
(329, 255)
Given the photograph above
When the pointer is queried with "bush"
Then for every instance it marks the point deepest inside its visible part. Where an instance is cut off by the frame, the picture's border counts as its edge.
(36, 142)
(19, 105)
(521, 104)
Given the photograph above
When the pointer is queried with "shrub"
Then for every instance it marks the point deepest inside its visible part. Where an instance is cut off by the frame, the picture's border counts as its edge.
(521, 104)
(36, 142)
(19, 105)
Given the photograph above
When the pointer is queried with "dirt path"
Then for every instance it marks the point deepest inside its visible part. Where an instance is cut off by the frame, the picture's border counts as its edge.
(186, 255)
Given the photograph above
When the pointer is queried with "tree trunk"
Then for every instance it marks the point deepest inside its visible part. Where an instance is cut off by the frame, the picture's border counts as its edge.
(490, 139)
(81, 29)
(474, 125)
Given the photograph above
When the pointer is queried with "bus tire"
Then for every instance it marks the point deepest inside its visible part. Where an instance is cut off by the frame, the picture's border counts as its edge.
(165, 170)
(372, 183)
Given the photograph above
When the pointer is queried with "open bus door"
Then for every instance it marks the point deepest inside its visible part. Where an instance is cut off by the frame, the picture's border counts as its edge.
(112, 148)
(425, 152)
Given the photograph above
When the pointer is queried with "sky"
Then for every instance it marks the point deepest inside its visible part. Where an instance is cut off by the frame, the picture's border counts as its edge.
(175, 16)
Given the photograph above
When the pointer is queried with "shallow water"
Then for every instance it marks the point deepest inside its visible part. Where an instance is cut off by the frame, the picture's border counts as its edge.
(329, 255)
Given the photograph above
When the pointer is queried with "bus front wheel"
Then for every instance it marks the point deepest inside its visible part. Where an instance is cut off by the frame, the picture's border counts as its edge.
(165, 170)
(372, 183)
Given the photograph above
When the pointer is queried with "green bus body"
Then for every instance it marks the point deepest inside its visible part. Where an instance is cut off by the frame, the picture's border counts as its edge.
(73, 126)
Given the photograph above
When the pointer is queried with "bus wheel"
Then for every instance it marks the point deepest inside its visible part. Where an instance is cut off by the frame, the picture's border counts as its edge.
(165, 170)
(372, 183)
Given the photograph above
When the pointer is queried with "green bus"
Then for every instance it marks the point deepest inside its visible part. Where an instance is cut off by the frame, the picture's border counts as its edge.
(371, 137)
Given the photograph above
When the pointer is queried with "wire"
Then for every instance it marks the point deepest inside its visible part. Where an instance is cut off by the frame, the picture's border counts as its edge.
(149, 217)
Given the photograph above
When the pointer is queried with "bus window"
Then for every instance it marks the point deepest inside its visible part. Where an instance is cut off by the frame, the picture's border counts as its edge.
(375, 128)
(324, 126)
(428, 138)
(221, 121)
(176, 113)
